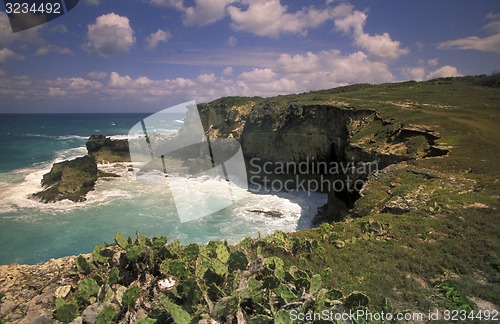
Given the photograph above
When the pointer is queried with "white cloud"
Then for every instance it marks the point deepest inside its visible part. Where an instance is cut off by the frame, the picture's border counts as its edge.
(414, 73)
(231, 41)
(53, 49)
(379, 47)
(206, 78)
(205, 12)
(157, 37)
(286, 74)
(270, 18)
(444, 71)
(93, 2)
(421, 73)
(258, 76)
(7, 54)
(433, 62)
(227, 71)
(97, 75)
(59, 28)
(177, 4)
(110, 35)
(328, 69)
(486, 44)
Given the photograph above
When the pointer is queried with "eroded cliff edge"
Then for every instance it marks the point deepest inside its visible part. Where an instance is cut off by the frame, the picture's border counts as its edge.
(273, 132)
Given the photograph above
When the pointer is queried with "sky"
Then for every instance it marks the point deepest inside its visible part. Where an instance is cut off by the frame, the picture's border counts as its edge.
(147, 55)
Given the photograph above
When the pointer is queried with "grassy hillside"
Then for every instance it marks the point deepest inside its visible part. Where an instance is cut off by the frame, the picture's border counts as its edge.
(441, 250)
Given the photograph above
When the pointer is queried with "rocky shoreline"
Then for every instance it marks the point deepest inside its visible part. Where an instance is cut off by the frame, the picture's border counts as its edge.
(73, 179)
(420, 235)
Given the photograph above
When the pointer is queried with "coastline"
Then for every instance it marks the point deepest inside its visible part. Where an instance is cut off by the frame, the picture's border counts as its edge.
(421, 235)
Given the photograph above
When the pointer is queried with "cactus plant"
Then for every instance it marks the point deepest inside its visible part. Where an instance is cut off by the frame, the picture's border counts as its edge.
(66, 312)
(284, 293)
(178, 268)
(97, 256)
(226, 306)
(178, 314)
(237, 261)
(315, 284)
(87, 288)
(134, 253)
(282, 317)
(106, 315)
(147, 320)
(121, 241)
(219, 267)
(114, 276)
(357, 299)
(130, 296)
(261, 319)
(191, 252)
(222, 252)
(254, 287)
(83, 265)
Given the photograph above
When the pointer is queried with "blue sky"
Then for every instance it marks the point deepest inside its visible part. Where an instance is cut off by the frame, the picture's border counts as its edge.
(147, 55)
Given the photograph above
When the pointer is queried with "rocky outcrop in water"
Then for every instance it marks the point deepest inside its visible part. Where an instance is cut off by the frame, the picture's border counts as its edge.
(69, 180)
(106, 150)
(73, 179)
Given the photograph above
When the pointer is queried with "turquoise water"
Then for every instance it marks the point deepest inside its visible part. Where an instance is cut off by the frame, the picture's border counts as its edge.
(33, 232)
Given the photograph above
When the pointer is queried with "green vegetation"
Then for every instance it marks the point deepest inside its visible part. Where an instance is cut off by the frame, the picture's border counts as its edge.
(422, 235)
(216, 281)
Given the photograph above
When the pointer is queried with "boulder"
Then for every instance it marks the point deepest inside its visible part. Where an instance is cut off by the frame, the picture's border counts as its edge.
(69, 180)
(106, 150)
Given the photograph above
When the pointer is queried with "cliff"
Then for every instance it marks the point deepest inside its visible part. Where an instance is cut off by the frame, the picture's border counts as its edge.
(277, 132)
(419, 237)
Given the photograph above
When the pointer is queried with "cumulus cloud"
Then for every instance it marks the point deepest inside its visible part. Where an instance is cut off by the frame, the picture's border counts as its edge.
(443, 72)
(177, 4)
(22, 87)
(157, 37)
(93, 2)
(380, 46)
(7, 54)
(270, 18)
(97, 75)
(205, 12)
(421, 73)
(110, 35)
(287, 74)
(227, 71)
(414, 73)
(486, 44)
(43, 50)
(231, 41)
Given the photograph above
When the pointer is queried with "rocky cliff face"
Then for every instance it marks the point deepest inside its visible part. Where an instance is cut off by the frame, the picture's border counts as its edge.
(275, 134)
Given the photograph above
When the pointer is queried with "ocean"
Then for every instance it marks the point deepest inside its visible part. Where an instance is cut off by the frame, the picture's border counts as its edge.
(32, 232)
